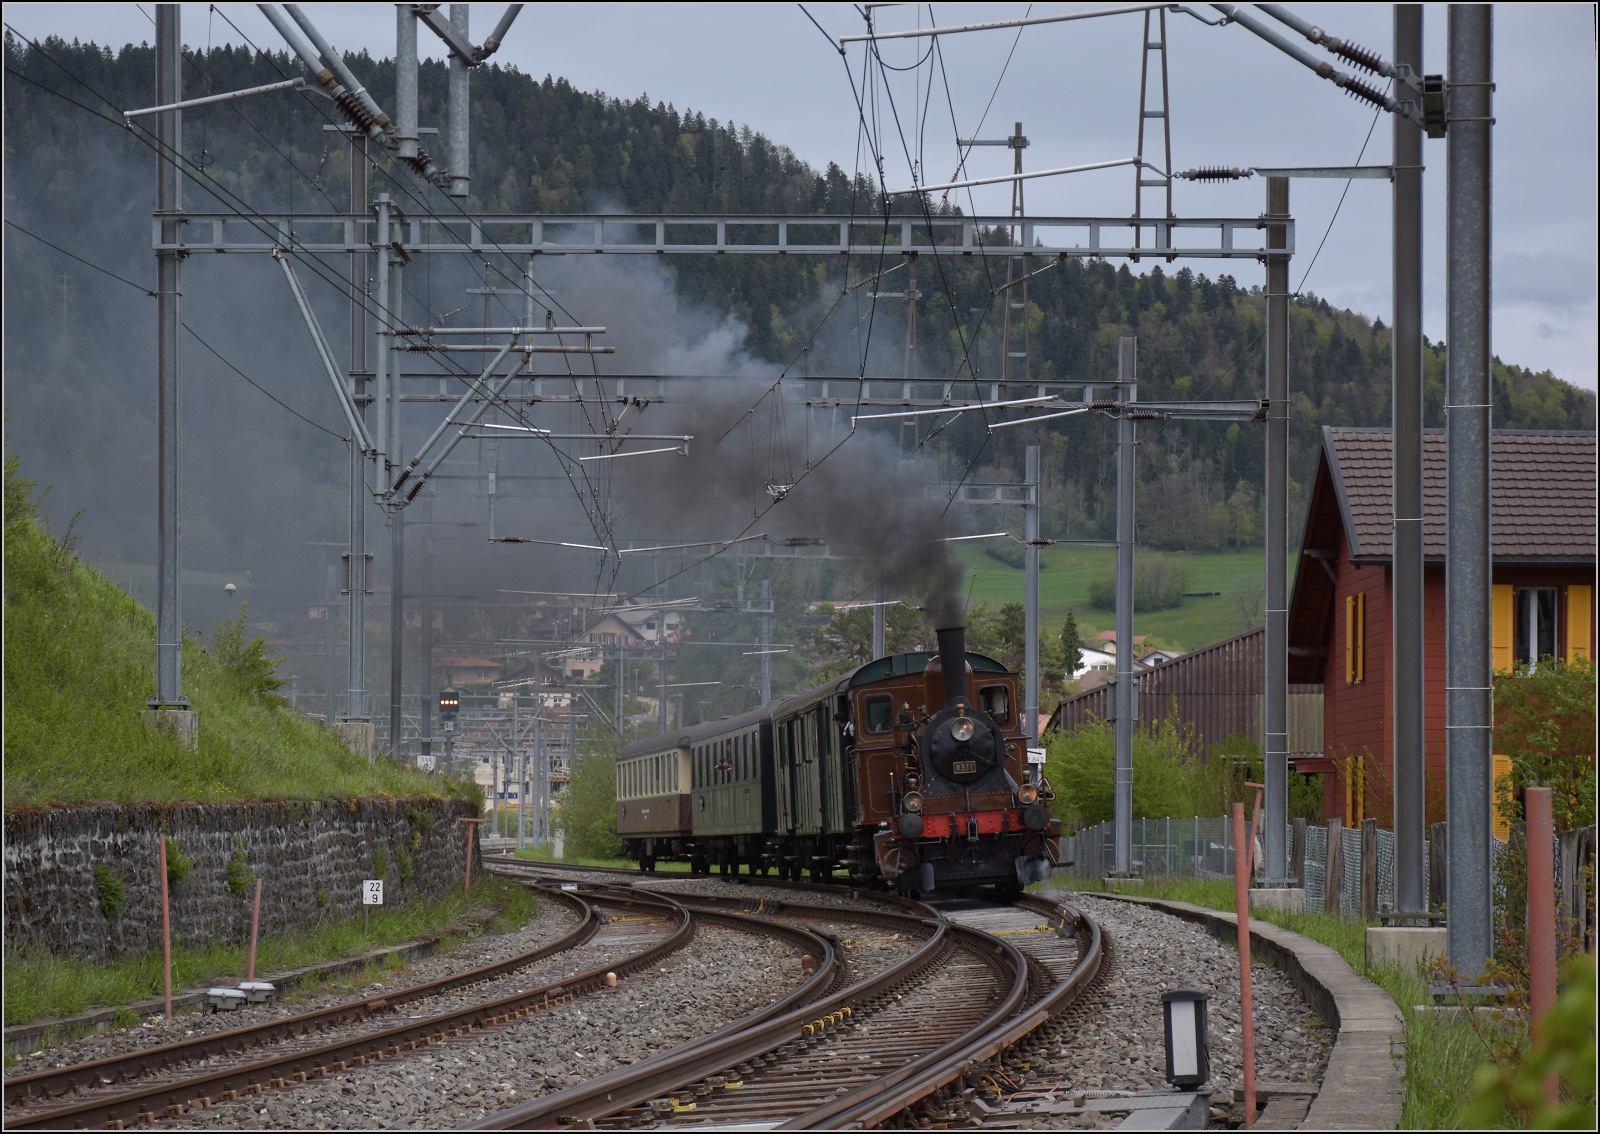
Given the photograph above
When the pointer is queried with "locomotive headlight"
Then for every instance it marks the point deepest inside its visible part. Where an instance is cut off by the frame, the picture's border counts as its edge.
(962, 729)
(912, 802)
(1027, 794)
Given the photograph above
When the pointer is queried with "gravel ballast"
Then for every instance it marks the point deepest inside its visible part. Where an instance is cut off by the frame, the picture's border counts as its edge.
(1120, 1045)
(722, 975)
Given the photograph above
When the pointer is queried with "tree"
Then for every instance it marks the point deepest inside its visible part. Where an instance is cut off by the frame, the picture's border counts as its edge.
(1011, 627)
(1072, 641)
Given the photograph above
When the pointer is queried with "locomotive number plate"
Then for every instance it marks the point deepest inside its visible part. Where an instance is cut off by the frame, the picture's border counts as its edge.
(964, 767)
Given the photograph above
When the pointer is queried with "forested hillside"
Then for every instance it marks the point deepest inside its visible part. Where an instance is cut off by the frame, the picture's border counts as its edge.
(542, 145)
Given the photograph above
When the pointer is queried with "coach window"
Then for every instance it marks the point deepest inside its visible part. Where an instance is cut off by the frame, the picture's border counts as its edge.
(880, 712)
(996, 701)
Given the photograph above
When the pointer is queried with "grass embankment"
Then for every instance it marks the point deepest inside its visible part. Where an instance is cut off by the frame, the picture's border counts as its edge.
(79, 664)
(1066, 573)
(1443, 1051)
(41, 985)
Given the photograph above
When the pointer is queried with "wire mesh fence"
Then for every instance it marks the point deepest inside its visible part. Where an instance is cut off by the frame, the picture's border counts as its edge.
(1202, 847)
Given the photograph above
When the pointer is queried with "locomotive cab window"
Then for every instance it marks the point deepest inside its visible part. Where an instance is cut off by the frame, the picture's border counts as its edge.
(880, 713)
(996, 701)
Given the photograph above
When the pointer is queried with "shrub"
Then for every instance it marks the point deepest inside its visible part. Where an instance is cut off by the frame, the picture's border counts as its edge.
(249, 663)
(591, 818)
(239, 876)
(380, 860)
(1544, 721)
(402, 858)
(1158, 583)
(178, 864)
(419, 819)
(113, 896)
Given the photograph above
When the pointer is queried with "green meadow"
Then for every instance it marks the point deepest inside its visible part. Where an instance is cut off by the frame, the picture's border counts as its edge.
(1066, 572)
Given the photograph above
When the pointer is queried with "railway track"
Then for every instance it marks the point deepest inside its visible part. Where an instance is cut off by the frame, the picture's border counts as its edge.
(844, 1048)
(868, 1049)
(173, 1079)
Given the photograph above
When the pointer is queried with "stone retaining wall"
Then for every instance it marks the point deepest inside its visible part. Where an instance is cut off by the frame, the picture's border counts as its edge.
(310, 857)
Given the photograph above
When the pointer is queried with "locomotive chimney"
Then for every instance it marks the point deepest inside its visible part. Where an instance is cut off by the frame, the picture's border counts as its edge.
(949, 623)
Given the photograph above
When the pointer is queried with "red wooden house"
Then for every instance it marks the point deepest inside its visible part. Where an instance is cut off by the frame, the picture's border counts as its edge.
(1543, 532)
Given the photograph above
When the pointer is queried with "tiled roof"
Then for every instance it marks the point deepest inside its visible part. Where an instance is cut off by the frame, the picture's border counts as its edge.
(1543, 484)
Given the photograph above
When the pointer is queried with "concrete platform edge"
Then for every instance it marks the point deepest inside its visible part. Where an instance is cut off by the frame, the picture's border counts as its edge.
(1364, 1086)
(20, 1039)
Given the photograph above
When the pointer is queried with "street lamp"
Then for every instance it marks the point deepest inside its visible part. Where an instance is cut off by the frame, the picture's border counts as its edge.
(231, 590)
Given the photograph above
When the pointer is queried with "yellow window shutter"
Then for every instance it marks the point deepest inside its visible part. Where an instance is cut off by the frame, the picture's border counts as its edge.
(1349, 641)
(1502, 771)
(1503, 601)
(1355, 634)
(1361, 643)
(1579, 611)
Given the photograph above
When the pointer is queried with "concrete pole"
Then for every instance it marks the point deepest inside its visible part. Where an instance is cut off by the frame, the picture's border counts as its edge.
(766, 641)
(1410, 742)
(425, 741)
(1126, 701)
(880, 614)
(169, 324)
(355, 708)
(517, 768)
(460, 92)
(389, 378)
(405, 80)
(1467, 645)
(397, 626)
(330, 711)
(1030, 598)
(1276, 747)
(541, 763)
(661, 671)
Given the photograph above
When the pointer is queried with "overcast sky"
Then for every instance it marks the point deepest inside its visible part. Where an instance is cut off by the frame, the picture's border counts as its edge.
(1075, 87)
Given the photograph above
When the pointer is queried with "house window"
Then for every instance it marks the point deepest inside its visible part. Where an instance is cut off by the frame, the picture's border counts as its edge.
(1355, 639)
(1535, 624)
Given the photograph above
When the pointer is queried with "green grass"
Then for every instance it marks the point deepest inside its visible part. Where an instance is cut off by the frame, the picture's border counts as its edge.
(1064, 582)
(1443, 1052)
(79, 664)
(39, 984)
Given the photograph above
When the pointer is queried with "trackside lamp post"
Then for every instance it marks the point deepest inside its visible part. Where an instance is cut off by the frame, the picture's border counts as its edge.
(449, 706)
(1188, 1051)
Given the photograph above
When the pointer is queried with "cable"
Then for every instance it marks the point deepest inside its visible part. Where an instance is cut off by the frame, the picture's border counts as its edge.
(258, 385)
(80, 259)
(1340, 205)
(186, 327)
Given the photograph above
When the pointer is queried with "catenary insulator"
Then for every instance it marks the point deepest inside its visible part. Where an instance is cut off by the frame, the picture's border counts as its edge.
(1214, 173)
(1361, 90)
(354, 110)
(1360, 56)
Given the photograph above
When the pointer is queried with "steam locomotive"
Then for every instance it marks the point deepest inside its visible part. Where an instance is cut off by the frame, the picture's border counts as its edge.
(903, 778)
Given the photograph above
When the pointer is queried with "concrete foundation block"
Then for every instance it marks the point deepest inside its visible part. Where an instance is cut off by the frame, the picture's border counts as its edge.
(1286, 899)
(361, 736)
(181, 723)
(1404, 947)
